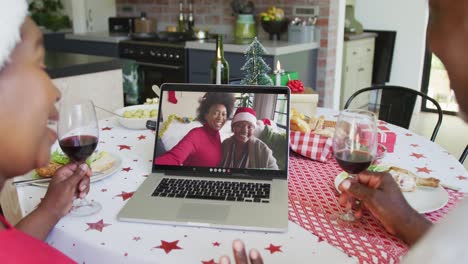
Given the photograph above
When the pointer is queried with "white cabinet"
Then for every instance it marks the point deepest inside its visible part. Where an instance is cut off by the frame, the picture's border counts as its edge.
(358, 57)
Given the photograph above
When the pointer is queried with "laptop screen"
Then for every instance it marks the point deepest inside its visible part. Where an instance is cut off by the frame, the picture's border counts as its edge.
(223, 130)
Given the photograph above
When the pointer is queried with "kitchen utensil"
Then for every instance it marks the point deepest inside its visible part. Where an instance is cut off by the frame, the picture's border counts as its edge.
(144, 24)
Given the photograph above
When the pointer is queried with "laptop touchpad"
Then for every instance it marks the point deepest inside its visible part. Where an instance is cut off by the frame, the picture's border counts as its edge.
(203, 211)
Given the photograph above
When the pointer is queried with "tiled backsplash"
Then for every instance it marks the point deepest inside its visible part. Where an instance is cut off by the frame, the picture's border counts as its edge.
(217, 14)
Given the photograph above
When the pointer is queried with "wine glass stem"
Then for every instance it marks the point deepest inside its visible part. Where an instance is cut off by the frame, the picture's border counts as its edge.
(349, 215)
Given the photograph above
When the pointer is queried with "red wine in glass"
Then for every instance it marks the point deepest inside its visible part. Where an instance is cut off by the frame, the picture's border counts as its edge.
(353, 162)
(79, 148)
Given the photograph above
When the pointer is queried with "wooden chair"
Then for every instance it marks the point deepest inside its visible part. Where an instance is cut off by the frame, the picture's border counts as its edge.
(394, 104)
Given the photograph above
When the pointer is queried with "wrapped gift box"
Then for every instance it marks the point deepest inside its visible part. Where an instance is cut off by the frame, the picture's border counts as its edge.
(285, 77)
(386, 138)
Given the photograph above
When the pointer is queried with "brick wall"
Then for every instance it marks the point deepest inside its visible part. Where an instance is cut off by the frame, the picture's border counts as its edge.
(218, 13)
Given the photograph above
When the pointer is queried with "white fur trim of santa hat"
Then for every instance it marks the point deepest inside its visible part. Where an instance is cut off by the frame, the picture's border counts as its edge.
(245, 114)
(12, 15)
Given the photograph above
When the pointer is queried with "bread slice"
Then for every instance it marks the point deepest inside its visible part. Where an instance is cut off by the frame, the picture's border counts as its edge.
(49, 170)
(103, 162)
(409, 181)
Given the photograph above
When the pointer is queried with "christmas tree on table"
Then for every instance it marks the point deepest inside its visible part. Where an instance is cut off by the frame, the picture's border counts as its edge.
(255, 68)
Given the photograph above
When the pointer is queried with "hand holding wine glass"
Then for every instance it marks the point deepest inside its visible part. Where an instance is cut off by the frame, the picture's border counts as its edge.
(355, 144)
(78, 137)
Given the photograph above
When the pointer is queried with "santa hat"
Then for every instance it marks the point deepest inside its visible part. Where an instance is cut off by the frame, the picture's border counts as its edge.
(245, 114)
(12, 15)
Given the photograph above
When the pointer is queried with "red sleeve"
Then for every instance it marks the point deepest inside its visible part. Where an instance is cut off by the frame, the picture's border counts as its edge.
(179, 153)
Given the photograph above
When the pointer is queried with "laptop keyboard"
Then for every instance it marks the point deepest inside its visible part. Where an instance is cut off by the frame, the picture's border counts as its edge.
(214, 190)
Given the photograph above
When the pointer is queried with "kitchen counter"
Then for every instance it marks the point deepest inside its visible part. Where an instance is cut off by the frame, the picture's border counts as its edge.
(272, 47)
(63, 64)
(98, 37)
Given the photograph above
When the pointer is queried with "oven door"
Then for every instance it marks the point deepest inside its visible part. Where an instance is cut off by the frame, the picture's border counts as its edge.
(156, 74)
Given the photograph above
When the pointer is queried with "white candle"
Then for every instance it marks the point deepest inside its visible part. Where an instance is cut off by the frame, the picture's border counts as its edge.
(218, 72)
(278, 73)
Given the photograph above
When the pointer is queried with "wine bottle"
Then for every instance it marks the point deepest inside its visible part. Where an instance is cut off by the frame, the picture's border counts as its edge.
(181, 20)
(191, 21)
(219, 66)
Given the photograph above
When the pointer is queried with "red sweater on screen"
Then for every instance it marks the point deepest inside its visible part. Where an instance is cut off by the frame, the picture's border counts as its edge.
(19, 247)
(201, 147)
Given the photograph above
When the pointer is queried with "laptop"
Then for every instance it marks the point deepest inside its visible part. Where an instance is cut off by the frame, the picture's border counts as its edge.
(194, 183)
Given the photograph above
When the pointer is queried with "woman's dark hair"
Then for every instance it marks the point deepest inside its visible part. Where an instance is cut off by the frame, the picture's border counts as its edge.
(209, 99)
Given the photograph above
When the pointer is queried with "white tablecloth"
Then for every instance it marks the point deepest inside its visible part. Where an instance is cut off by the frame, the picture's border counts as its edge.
(101, 238)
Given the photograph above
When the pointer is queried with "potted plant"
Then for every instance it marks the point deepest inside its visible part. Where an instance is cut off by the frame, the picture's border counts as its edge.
(49, 14)
(245, 29)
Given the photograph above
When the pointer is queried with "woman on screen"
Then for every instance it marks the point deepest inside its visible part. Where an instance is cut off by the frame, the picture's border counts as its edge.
(243, 149)
(201, 147)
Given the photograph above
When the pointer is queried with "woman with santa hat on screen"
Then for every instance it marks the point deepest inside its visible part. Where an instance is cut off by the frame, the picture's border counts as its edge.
(243, 149)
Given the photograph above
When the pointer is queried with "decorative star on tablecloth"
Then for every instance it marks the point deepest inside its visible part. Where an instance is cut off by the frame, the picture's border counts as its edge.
(127, 169)
(462, 178)
(408, 134)
(168, 246)
(122, 147)
(99, 225)
(216, 244)
(137, 238)
(211, 261)
(104, 190)
(417, 155)
(272, 248)
(125, 195)
(320, 239)
(106, 128)
(414, 145)
(424, 169)
(141, 137)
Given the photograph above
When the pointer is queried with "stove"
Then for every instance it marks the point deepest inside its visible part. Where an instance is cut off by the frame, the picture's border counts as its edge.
(161, 58)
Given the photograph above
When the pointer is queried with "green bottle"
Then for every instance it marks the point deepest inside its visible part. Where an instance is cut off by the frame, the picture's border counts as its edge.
(219, 66)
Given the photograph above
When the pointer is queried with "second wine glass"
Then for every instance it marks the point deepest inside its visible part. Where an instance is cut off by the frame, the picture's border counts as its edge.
(355, 144)
(78, 134)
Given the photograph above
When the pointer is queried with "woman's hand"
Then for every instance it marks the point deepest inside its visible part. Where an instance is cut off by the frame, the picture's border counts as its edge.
(69, 182)
(240, 256)
(381, 195)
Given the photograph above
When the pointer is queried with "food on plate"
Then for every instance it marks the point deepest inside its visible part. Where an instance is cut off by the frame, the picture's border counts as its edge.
(98, 162)
(409, 181)
(102, 162)
(140, 113)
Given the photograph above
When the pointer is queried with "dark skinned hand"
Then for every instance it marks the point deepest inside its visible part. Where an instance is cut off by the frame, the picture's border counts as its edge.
(69, 182)
(381, 195)
(240, 256)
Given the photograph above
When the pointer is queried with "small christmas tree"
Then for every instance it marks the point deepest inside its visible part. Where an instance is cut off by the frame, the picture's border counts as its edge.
(255, 68)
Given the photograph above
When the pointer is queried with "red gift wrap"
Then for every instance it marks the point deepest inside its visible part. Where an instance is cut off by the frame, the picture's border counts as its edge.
(386, 138)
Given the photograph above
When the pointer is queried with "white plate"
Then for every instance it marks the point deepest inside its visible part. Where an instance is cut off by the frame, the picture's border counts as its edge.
(115, 167)
(423, 200)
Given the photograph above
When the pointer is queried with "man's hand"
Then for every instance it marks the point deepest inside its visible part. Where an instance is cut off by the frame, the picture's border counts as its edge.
(381, 195)
(240, 256)
(69, 182)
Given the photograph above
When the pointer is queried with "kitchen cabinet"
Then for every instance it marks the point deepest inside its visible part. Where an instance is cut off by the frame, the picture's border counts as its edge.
(358, 57)
(58, 42)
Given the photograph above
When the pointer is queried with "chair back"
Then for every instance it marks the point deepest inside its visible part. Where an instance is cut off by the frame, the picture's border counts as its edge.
(463, 155)
(394, 104)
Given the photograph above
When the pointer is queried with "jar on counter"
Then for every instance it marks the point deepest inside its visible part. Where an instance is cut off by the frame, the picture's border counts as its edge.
(245, 29)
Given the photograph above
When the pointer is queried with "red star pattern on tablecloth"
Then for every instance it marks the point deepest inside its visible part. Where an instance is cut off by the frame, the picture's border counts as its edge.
(424, 169)
(417, 155)
(125, 195)
(168, 246)
(122, 147)
(99, 225)
(104, 190)
(137, 238)
(320, 239)
(211, 261)
(462, 178)
(216, 244)
(106, 128)
(127, 169)
(272, 248)
(414, 145)
(408, 134)
(141, 137)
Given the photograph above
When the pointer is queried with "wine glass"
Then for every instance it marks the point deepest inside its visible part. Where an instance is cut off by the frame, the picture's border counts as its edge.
(355, 144)
(78, 134)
